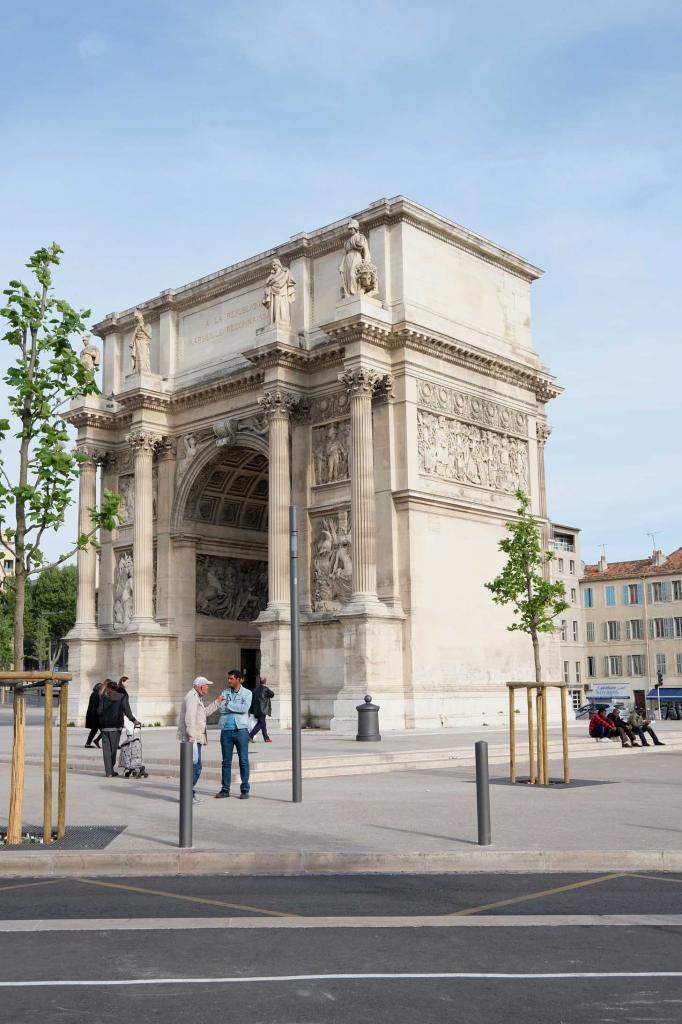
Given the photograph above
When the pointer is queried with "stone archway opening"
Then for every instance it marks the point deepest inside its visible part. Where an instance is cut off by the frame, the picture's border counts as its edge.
(227, 511)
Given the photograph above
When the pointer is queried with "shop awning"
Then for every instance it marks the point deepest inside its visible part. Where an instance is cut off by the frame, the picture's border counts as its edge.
(666, 692)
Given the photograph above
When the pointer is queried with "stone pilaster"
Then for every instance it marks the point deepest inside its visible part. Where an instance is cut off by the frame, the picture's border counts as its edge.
(164, 559)
(361, 383)
(278, 405)
(87, 556)
(143, 444)
(105, 601)
(542, 432)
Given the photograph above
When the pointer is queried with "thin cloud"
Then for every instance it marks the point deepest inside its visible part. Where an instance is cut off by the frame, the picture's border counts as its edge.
(92, 45)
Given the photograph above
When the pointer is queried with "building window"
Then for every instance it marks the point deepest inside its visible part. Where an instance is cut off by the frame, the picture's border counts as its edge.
(613, 663)
(678, 625)
(591, 666)
(660, 629)
(610, 597)
(567, 674)
(577, 672)
(634, 629)
(571, 567)
(677, 590)
(612, 630)
(560, 563)
(575, 631)
(564, 624)
(564, 542)
(588, 597)
(8, 565)
(678, 663)
(589, 629)
(636, 664)
(660, 591)
(576, 699)
(633, 593)
(574, 595)
(660, 664)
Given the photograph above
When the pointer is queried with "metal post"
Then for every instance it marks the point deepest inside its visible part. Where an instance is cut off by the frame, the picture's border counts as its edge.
(297, 794)
(483, 794)
(186, 767)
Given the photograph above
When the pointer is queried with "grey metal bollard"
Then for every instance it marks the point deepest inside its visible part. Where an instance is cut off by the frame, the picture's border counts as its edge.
(368, 721)
(186, 770)
(483, 794)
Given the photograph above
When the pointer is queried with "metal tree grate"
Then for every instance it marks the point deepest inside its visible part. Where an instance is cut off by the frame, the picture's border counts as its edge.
(77, 837)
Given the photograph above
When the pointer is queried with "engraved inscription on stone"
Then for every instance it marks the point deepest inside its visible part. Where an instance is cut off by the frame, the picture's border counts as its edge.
(471, 408)
(330, 452)
(213, 325)
(463, 453)
(331, 565)
(123, 589)
(231, 588)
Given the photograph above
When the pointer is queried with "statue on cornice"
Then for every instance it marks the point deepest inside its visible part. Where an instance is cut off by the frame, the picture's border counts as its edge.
(140, 344)
(89, 354)
(280, 292)
(358, 273)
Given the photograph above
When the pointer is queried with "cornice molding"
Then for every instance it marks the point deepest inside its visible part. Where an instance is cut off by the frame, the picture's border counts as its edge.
(205, 391)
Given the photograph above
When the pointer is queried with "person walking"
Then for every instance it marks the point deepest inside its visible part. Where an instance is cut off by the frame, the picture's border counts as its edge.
(91, 716)
(112, 709)
(640, 724)
(234, 732)
(192, 723)
(260, 709)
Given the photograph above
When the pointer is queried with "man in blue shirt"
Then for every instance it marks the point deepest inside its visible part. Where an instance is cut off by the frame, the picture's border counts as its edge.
(234, 732)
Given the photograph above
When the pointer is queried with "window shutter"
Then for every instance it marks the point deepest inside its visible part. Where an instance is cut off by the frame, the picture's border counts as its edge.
(669, 627)
(640, 593)
(626, 594)
(667, 590)
(651, 629)
(605, 628)
(650, 591)
(606, 665)
(627, 630)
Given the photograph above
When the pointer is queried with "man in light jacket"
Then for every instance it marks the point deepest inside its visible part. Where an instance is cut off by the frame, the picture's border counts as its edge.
(234, 732)
(192, 722)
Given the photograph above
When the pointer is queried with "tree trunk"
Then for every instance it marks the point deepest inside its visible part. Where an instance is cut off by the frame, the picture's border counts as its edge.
(536, 656)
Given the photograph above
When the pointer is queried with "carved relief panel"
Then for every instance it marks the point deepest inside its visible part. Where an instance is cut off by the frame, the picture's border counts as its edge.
(126, 488)
(330, 451)
(123, 589)
(231, 588)
(464, 453)
(331, 564)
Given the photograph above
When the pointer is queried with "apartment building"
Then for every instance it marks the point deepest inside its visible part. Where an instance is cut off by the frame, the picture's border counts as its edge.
(6, 562)
(567, 567)
(633, 627)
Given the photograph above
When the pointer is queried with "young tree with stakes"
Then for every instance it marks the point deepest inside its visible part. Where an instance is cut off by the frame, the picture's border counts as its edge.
(535, 600)
(45, 376)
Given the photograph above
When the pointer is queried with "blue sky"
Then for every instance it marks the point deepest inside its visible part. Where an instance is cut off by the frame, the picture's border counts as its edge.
(158, 142)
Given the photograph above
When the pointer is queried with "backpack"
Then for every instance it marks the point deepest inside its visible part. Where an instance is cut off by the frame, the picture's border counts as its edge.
(110, 712)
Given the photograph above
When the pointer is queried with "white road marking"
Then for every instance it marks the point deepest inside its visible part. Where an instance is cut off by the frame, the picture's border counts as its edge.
(278, 978)
(444, 921)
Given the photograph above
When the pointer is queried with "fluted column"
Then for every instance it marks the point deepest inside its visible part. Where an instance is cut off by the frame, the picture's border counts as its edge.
(278, 406)
(143, 443)
(87, 556)
(361, 383)
(105, 601)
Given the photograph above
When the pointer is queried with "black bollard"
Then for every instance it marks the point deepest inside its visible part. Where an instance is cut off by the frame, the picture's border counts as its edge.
(483, 794)
(368, 721)
(186, 770)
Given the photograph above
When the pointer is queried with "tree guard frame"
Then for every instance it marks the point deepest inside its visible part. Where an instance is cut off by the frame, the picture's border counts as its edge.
(537, 743)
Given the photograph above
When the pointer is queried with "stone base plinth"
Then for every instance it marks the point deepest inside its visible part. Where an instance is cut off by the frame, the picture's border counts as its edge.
(275, 665)
(373, 664)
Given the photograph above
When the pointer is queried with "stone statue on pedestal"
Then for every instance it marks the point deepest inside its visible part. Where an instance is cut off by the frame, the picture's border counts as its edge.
(89, 355)
(139, 345)
(358, 273)
(280, 292)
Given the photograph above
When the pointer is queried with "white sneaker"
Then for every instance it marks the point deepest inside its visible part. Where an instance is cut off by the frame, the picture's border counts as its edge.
(196, 800)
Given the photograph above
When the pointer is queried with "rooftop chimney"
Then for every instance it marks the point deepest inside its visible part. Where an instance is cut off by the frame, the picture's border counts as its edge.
(658, 558)
(603, 564)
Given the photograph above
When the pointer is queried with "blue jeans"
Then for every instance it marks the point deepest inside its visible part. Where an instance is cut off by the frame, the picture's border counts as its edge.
(229, 739)
(196, 765)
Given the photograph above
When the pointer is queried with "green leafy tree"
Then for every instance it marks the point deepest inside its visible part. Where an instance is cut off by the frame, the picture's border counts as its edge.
(534, 599)
(44, 377)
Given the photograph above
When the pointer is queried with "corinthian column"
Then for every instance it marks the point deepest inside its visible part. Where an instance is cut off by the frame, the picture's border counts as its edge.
(105, 599)
(278, 406)
(87, 556)
(361, 383)
(143, 443)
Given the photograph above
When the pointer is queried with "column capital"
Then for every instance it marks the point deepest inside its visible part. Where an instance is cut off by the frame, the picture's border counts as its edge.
(363, 381)
(168, 448)
(89, 454)
(144, 440)
(279, 403)
(542, 432)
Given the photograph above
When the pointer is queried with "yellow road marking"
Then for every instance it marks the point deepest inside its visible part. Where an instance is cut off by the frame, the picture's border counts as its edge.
(25, 885)
(538, 895)
(655, 878)
(181, 896)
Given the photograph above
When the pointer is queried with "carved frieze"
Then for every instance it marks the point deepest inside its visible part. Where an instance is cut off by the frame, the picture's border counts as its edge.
(331, 443)
(471, 408)
(329, 407)
(464, 453)
(331, 563)
(225, 431)
(123, 589)
(231, 588)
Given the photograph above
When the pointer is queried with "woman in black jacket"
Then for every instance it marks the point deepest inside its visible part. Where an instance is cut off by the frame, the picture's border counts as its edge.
(113, 707)
(91, 716)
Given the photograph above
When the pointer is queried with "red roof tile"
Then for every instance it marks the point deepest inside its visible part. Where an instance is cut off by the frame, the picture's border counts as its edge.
(638, 567)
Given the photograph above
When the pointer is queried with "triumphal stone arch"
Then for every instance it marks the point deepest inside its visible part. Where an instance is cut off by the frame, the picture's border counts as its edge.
(377, 373)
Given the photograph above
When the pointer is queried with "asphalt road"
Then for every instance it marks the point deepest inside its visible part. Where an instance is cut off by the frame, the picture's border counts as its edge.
(551, 949)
